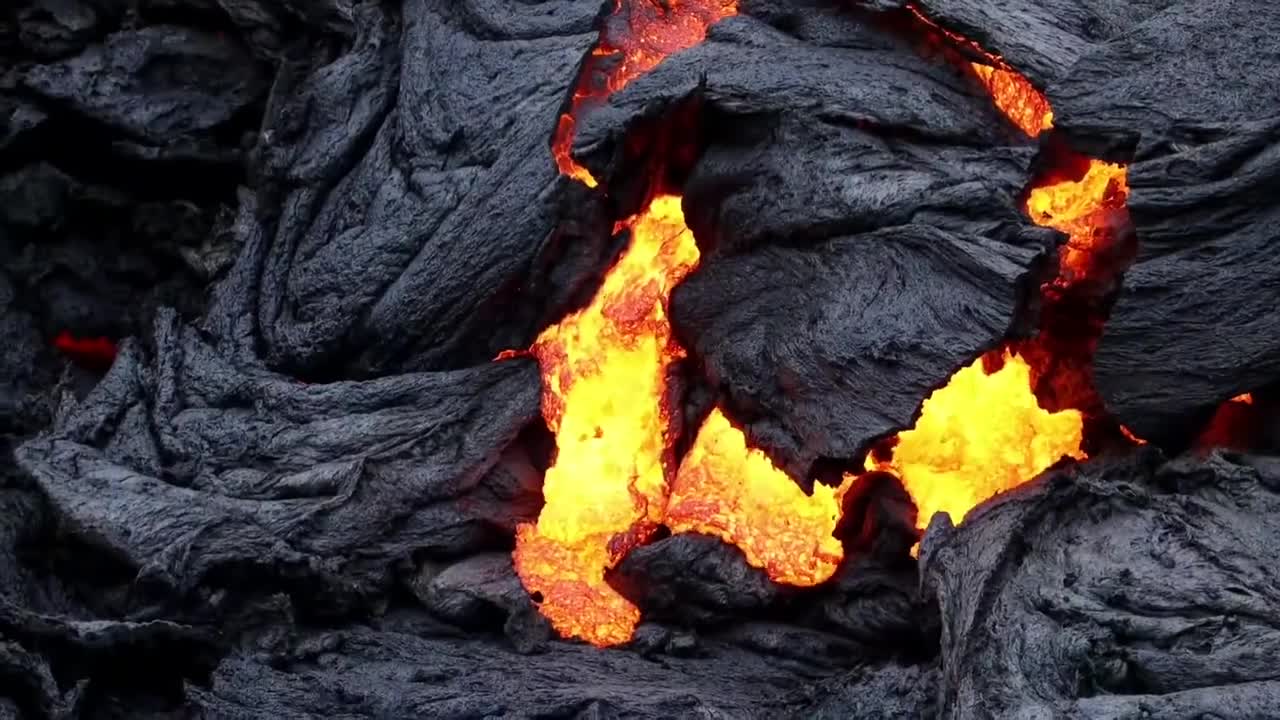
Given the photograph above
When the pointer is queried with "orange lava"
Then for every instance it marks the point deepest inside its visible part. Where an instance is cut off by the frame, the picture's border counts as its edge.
(737, 494)
(604, 373)
(1017, 98)
(985, 431)
(1234, 426)
(604, 382)
(1080, 208)
(654, 31)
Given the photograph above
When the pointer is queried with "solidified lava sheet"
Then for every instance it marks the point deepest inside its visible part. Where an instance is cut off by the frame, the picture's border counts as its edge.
(639, 359)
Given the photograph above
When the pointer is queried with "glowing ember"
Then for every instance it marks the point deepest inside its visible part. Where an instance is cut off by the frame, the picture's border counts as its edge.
(952, 460)
(604, 380)
(737, 494)
(94, 353)
(1235, 425)
(1081, 208)
(654, 31)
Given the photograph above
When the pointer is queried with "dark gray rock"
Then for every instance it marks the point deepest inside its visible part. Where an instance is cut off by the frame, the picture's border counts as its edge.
(693, 580)
(413, 206)
(156, 84)
(471, 592)
(191, 465)
(1195, 321)
(1121, 589)
(821, 350)
(897, 182)
(1041, 40)
(403, 670)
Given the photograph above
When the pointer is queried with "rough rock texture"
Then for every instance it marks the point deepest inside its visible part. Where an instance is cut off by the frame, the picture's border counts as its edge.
(1194, 324)
(298, 498)
(1042, 40)
(1134, 589)
(410, 193)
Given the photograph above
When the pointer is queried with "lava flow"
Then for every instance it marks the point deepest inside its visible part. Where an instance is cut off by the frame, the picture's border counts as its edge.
(614, 480)
(604, 368)
(985, 431)
(604, 384)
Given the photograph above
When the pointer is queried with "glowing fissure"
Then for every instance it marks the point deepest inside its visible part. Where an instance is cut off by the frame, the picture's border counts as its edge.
(605, 397)
(653, 33)
(985, 432)
(604, 384)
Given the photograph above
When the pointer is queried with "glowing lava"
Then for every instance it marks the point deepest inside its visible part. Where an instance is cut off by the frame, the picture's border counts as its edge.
(979, 436)
(604, 374)
(653, 30)
(604, 384)
(737, 494)
(96, 353)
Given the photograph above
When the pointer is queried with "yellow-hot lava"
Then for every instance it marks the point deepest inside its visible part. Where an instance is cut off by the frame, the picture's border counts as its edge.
(980, 435)
(737, 494)
(604, 374)
(605, 395)
(604, 381)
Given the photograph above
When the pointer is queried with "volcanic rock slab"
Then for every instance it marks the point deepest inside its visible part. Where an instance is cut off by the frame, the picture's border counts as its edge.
(1042, 40)
(1195, 322)
(412, 190)
(1117, 590)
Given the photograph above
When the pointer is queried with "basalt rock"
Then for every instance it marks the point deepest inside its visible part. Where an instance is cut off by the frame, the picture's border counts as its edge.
(1194, 323)
(1114, 590)
(894, 185)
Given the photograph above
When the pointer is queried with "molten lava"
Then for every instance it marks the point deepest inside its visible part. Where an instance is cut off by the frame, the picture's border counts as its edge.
(737, 494)
(93, 353)
(1235, 425)
(979, 436)
(604, 372)
(606, 398)
(653, 30)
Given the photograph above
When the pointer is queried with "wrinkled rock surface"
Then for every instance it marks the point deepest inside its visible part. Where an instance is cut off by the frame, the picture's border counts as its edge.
(1194, 323)
(1116, 590)
(312, 226)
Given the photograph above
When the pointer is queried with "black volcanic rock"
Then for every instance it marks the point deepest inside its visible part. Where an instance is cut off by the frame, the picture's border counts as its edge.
(1114, 591)
(1195, 321)
(821, 350)
(253, 472)
(1043, 40)
(298, 498)
(411, 194)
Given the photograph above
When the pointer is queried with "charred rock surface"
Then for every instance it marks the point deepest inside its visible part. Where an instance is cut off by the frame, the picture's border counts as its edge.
(252, 472)
(302, 503)
(1194, 323)
(409, 193)
(1114, 590)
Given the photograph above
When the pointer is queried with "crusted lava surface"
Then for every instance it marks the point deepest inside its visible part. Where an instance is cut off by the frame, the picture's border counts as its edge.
(1013, 261)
